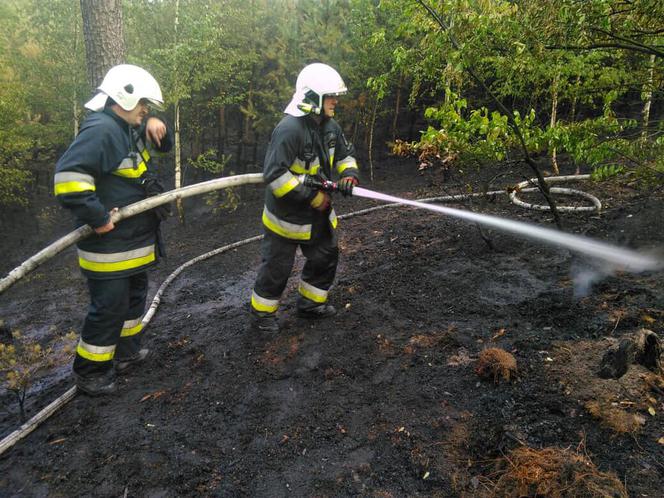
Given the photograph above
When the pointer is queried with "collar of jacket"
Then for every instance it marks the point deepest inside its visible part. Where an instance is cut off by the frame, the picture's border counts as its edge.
(311, 120)
(121, 122)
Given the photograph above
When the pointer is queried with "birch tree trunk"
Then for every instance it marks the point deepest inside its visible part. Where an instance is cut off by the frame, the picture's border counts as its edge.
(178, 162)
(647, 97)
(177, 146)
(397, 108)
(554, 114)
(371, 135)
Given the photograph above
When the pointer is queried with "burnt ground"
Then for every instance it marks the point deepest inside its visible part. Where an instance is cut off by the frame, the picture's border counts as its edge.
(381, 401)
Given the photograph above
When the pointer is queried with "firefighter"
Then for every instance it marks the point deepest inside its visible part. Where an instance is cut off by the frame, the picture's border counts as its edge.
(106, 167)
(307, 141)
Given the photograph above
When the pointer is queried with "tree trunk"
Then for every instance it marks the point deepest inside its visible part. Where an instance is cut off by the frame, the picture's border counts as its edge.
(371, 134)
(572, 114)
(104, 37)
(397, 107)
(221, 131)
(554, 113)
(178, 162)
(178, 148)
(647, 97)
(75, 117)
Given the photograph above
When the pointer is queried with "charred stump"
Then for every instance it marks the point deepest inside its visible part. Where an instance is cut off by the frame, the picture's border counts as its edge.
(643, 347)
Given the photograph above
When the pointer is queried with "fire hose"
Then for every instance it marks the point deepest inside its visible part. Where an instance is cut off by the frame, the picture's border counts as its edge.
(630, 260)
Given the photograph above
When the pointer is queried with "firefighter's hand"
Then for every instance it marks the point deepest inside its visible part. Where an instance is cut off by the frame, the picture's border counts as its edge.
(155, 130)
(346, 185)
(321, 202)
(108, 226)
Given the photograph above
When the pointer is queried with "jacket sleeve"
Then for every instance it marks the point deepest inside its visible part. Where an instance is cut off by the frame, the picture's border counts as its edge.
(344, 157)
(76, 175)
(166, 142)
(280, 155)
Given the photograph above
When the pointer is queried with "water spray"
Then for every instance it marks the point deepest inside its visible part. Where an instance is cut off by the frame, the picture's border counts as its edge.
(617, 258)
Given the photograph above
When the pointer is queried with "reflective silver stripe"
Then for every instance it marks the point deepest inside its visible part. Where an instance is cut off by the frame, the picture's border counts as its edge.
(131, 327)
(284, 184)
(127, 163)
(312, 293)
(331, 156)
(346, 163)
(70, 176)
(115, 257)
(333, 218)
(262, 304)
(284, 228)
(126, 168)
(143, 149)
(71, 183)
(128, 324)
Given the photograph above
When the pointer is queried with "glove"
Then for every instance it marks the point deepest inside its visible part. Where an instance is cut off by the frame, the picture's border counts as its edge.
(346, 185)
(153, 187)
(321, 202)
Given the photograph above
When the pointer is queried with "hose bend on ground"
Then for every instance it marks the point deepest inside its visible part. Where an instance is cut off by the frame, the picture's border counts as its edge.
(205, 187)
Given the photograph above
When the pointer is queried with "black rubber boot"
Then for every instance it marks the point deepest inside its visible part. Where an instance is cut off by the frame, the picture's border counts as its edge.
(97, 386)
(317, 312)
(122, 366)
(264, 323)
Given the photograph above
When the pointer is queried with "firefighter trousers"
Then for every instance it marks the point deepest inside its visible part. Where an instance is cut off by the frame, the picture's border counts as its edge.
(112, 327)
(278, 256)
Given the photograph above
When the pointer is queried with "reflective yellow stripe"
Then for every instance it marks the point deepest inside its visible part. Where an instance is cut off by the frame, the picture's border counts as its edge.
(284, 184)
(333, 219)
(298, 167)
(70, 187)
(130, 172)
(143, 149)
(67, 182)
(347, 163)
(95, 353)
(109, 262)
(264, 305)
(285, 229)
(312, 293)
(119, 266)
(131, 327)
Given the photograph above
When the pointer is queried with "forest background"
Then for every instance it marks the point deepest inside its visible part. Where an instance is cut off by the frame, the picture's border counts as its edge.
(582, 79)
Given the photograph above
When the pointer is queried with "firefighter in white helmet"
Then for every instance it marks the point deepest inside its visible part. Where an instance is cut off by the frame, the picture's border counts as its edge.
(106, 167)
(307, 141)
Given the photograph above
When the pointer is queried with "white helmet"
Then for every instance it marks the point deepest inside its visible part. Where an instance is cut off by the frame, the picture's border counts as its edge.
(126, 84)
(313, 83)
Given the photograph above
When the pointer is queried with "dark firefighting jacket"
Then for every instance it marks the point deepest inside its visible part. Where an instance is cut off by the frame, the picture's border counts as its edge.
(105, 167)
(300, 146)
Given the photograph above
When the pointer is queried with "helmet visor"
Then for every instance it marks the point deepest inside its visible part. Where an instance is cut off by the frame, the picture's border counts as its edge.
(336, 94)
(152, 103)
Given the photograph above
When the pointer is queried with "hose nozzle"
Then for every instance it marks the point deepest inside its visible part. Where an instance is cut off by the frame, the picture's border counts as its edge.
(318, 183)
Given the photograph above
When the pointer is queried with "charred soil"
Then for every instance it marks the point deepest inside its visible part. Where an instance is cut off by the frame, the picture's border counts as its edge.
(382, 400)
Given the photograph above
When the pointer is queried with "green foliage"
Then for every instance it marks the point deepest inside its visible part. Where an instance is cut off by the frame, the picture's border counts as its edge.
(227, 199)
(604, 172)
(585, 61)
(24, 360)
(207, 162)
(478, 135)
(42, 76)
